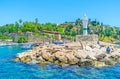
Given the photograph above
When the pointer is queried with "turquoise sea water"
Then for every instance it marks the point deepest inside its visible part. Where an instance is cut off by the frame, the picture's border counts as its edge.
(18, 70)
(118, 44)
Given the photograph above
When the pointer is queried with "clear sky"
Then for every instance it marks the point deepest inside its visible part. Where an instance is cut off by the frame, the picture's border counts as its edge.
(59, 11)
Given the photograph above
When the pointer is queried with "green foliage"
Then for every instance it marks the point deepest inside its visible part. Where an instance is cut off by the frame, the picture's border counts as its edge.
(60, 29)
(78, 22)
(45, 34)
(73, 32)
(4, 37)
(68, 29)
(29, 26)
(36, 34)
(22, 39)
(106, 38)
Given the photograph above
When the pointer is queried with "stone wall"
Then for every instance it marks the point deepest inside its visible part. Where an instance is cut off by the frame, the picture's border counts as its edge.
(39, 39)
(57, 37)
(87, 38)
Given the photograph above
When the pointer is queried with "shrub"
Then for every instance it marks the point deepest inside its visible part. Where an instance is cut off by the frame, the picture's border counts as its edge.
(22, 39)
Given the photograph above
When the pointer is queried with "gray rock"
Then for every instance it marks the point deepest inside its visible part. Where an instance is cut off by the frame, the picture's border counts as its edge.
(109, 62)
(100, 57)
(85, 62)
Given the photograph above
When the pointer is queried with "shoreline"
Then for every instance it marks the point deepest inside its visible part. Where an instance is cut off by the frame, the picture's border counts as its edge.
(71, 54)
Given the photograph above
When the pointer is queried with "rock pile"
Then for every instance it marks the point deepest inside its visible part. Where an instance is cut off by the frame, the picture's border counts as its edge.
(90, 55)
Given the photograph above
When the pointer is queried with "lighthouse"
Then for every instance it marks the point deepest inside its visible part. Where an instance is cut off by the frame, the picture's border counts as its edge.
(85, 23)
(85, 37)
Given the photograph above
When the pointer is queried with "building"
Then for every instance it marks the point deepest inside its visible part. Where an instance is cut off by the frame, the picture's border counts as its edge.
(86, 37)
(57, 35)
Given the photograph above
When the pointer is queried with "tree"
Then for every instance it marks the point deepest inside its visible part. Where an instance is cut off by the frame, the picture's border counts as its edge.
(60, 30)
(17, 26)
(109, 31)
(4, 37)
(20, 21)
(68, 27)
(78, 22)
(73, 33)
(36, 21)
(22, 39)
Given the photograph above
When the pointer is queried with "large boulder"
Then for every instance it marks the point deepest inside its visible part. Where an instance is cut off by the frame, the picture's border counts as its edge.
(80, 54)
(39, 60)
(100, 57)
(88, 48)
(96, 51)
(97, 46)
(72, 59)
(85, 62)
(90, 55)
(60, 56)
(20, 55)
(16, 59)
(47, 56)
(44, 63)
(114, 58)
(99, 64)
(52, 51)
(109, 62)
(56, 62)
(26, 59)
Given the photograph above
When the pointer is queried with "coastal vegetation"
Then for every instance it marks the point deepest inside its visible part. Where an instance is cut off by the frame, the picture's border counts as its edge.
(22, 39)
(67, 30)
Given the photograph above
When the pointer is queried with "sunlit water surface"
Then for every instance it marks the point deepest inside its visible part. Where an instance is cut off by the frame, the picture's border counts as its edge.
(18, 70)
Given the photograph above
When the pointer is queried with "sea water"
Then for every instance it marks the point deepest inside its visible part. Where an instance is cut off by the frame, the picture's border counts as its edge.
(18, 70)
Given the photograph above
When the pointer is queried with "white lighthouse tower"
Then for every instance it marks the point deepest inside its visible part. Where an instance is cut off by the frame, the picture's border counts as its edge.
(85, 23)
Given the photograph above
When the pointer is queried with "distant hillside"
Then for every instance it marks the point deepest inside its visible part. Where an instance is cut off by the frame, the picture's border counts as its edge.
(68, 29)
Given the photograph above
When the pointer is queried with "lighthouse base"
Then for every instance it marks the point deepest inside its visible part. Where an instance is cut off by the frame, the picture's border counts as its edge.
(86, 38)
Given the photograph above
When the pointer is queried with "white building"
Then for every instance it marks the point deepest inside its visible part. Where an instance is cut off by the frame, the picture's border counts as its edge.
(85, 23)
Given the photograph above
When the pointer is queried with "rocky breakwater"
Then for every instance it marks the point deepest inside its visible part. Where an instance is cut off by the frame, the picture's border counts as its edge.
(70, 54)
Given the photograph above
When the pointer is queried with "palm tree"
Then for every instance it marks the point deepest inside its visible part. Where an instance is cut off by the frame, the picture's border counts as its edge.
(20, 21)
(78, 22)
(36, 21)
(17, 26)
